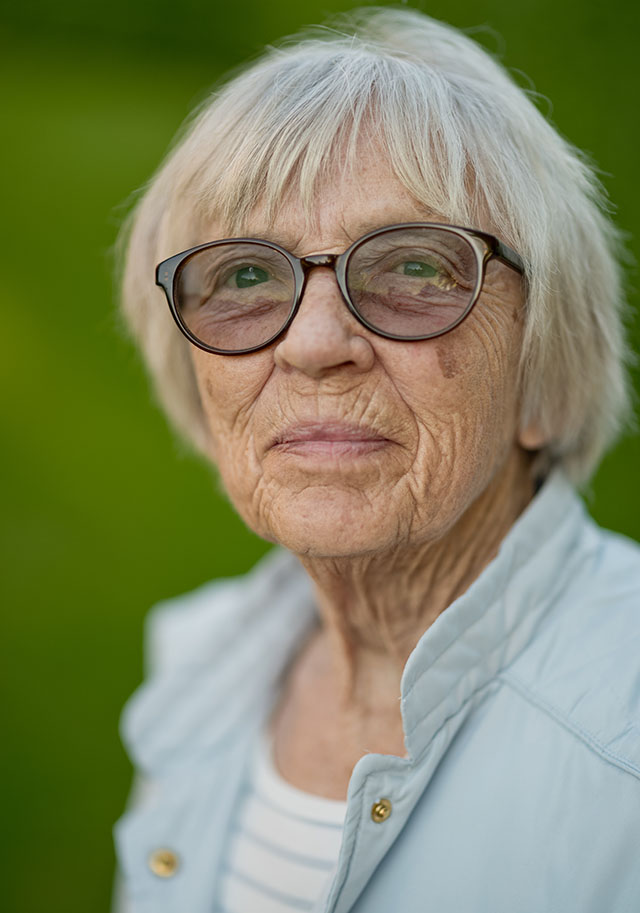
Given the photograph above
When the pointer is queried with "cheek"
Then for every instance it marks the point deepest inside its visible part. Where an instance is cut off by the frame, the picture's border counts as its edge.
(484, 355)
(466, 382)
(229, 388)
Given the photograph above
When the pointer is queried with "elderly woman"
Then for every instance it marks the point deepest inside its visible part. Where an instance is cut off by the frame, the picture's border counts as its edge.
(394, 328)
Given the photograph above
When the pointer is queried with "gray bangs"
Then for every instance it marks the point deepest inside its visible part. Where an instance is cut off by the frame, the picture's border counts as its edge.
(315, 117)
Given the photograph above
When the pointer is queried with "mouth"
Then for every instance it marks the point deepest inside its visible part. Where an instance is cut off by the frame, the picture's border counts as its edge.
(328, 439)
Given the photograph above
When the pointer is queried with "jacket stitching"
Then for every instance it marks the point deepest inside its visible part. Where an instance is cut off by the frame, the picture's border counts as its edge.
(560, 717)
(510, 574)
(542, 611)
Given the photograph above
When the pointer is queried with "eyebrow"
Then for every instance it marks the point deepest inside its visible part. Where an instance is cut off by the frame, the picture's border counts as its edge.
(284, 238)
(292, 242)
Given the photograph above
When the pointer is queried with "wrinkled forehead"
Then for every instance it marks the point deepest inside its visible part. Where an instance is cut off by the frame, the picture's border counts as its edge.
(351, 200)
(327, 201)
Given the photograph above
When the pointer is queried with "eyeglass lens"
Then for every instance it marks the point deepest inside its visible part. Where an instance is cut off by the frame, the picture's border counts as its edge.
(409, 282)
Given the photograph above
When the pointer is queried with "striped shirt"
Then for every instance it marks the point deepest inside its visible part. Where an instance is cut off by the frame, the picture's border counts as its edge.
(283, 847)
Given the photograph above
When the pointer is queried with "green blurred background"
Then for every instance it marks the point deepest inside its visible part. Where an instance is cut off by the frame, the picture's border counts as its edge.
(104, 513)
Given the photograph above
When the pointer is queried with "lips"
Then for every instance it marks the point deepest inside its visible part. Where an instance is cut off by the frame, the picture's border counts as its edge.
(328, 438)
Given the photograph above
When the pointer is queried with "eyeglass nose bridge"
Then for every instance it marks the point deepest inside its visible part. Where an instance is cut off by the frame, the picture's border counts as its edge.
(334, 262)
(306, 264)
(328, 260)
(319, 260)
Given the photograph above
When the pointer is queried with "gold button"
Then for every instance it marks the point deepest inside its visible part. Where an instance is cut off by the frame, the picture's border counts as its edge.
(164, 863)
(380, 810)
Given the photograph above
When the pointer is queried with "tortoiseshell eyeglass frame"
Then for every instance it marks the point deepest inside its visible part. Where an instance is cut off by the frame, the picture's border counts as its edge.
(485, 247)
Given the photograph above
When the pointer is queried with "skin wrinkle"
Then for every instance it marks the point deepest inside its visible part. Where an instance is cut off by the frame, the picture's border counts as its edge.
(389, 540)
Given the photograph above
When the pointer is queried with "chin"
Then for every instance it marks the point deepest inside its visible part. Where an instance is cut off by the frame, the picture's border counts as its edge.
(328, 523)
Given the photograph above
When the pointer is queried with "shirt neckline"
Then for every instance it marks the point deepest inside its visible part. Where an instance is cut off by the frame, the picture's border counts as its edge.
(269, 783)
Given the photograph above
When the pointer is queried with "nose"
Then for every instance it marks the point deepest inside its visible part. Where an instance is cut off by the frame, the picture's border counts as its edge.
(324, 335)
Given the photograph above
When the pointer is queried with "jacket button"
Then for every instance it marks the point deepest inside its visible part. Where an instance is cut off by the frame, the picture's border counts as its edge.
(164, 863)
(380, 810)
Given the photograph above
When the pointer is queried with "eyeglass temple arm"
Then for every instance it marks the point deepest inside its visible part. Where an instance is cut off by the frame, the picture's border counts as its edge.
(508, 255)
(502, 251)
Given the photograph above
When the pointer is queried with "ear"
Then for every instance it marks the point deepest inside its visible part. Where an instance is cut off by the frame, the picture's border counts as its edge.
(532, 437)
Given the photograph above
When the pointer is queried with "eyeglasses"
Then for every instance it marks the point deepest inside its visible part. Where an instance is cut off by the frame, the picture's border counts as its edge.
(408, 282)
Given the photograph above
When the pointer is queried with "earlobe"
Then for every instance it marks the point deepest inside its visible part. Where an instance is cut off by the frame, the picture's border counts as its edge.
(532, 437)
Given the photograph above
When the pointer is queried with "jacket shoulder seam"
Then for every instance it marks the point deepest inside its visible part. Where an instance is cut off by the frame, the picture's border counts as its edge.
(569, 725)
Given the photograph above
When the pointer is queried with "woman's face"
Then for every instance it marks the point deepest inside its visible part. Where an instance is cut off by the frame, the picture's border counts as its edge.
(334, 441)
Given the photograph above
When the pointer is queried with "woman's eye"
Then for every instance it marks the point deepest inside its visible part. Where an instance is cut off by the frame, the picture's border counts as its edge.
(248, 276)
(417, 268)
(421, 269)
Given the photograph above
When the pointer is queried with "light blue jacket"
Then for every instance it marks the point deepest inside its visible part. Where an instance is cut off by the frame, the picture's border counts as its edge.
(521, 710)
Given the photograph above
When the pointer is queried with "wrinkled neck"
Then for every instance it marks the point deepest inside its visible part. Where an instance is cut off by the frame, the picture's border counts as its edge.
(374, 608)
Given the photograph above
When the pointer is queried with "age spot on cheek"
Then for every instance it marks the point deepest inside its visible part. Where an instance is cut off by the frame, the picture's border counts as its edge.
(447, 360)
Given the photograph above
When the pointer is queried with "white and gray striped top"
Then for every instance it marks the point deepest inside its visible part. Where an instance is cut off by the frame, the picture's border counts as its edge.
(283, 847)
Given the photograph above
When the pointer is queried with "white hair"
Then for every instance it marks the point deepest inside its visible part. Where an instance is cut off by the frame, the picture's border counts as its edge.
(464, 140)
